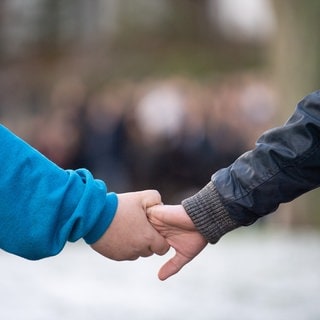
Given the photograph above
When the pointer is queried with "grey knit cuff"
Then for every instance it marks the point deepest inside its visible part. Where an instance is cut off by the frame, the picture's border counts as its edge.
(208, 213)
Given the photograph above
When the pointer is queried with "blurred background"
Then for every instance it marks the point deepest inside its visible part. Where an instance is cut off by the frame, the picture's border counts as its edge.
(161, 94)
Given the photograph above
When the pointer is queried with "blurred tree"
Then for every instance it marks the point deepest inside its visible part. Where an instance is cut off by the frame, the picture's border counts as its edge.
(2, 16)
(189, 21)
(49, 20)
(294, 55)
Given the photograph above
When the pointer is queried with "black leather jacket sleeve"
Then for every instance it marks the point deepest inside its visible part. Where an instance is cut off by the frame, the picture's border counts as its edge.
(284, 164)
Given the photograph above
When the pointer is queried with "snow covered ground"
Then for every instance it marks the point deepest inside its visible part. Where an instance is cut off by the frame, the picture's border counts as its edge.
(248, 275)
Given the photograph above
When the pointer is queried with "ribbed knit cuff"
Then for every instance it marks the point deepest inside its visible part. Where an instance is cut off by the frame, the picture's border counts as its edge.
(209, 214)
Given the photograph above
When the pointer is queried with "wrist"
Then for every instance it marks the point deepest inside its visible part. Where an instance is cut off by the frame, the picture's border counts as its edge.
(208, 213)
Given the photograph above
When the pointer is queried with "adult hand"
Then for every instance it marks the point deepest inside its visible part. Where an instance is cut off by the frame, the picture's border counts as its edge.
(130, 234)
(176, 226)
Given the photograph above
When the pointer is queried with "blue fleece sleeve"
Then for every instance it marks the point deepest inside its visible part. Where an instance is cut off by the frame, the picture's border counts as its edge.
(43, 206)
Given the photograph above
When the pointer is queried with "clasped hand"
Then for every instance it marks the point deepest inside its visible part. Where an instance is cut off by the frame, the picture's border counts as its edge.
(143, 226)
(174, 224)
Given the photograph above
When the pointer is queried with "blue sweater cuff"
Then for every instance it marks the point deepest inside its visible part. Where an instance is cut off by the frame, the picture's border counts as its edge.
(105, 219)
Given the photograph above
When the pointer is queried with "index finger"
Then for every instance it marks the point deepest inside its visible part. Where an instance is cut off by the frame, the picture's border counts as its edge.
(172, 266)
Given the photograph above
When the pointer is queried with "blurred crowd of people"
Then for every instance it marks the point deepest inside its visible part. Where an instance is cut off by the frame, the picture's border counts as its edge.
(171, 135)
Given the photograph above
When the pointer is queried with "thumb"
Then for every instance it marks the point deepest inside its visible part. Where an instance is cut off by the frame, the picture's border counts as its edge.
(172, 266)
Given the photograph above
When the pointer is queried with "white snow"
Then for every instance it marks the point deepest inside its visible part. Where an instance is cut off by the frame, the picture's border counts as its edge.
(248, 275)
